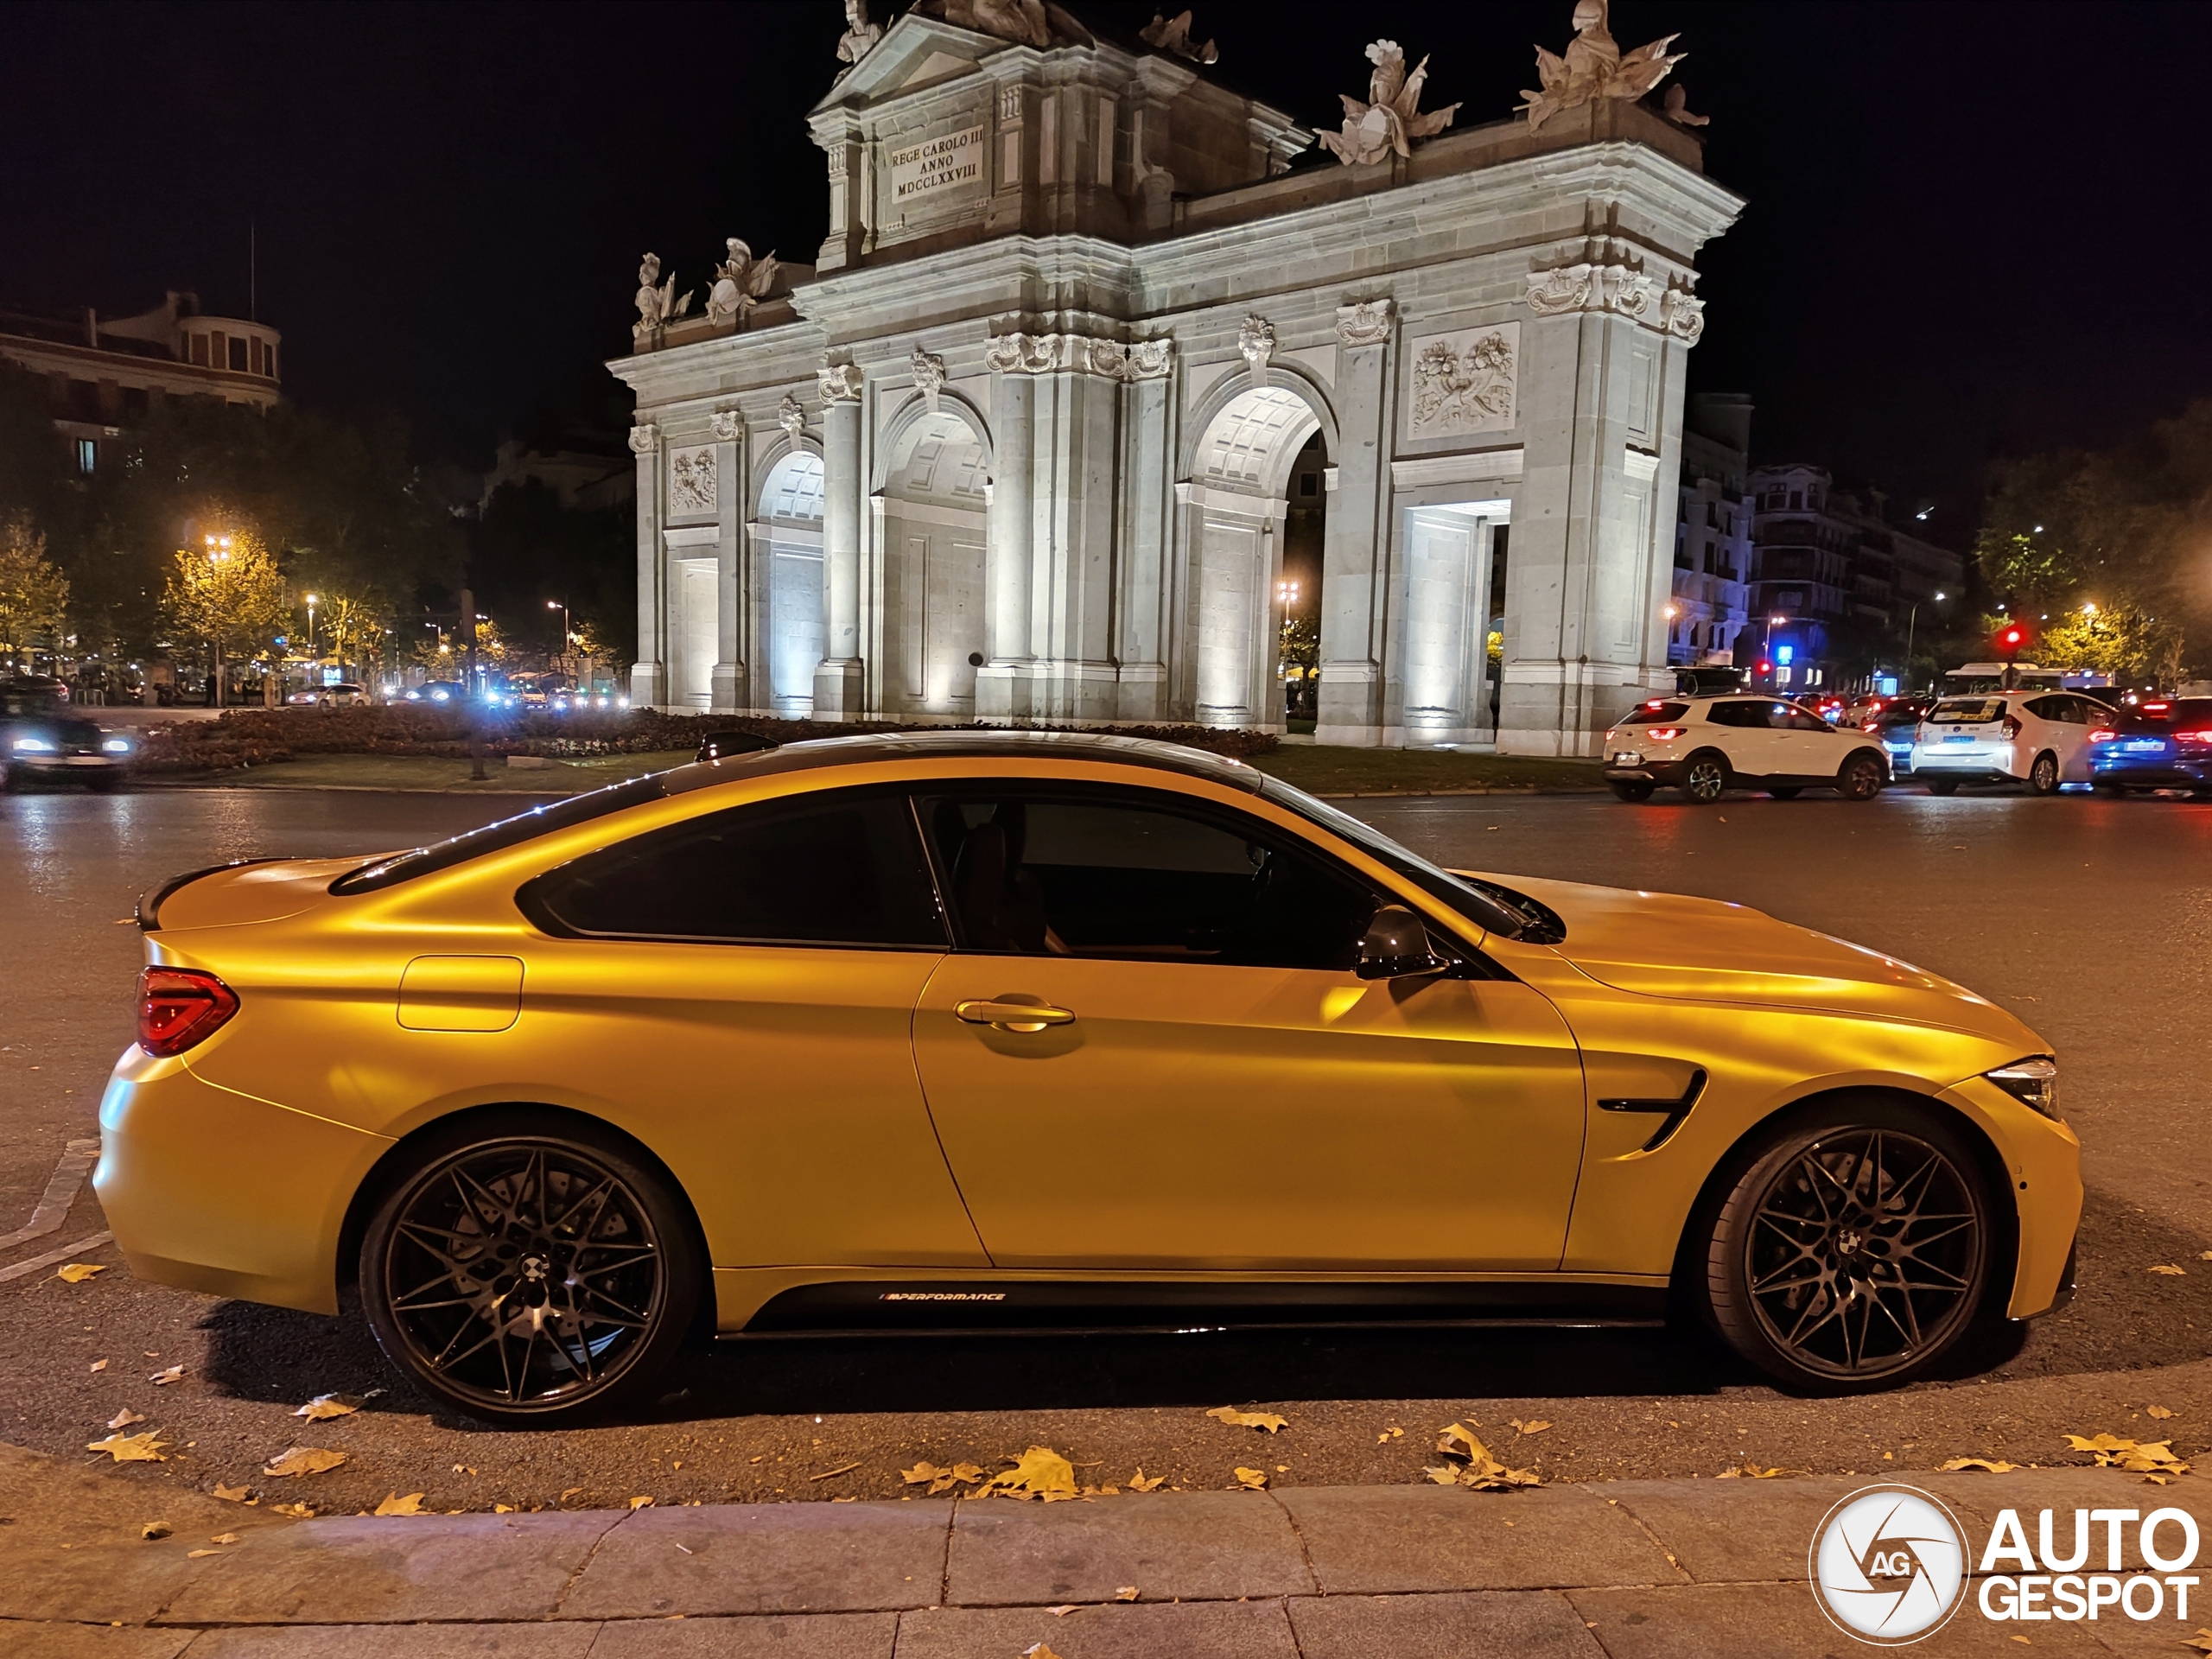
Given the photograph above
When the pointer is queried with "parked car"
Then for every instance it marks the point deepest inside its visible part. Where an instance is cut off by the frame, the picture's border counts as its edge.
(435, 691)
(614, 1042)
(42, 738)
(1895, 726)
(2039, 739)
(2160, 743)
(1707, 746)
(343, 694)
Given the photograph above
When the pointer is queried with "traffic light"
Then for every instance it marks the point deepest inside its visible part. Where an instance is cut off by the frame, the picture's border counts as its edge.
(1766, 669)
(2010, 638)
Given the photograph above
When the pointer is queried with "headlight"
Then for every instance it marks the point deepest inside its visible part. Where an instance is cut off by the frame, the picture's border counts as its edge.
(115, 746)
(2034, 1082)
(33, 746)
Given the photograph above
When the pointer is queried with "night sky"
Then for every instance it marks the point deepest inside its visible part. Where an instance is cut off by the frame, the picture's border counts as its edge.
(1973, 229)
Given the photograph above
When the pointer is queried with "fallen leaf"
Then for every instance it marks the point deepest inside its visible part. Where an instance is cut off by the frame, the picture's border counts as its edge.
(1039, 1650)
(324, 1407)
(153, 1529)
(2159, 1412)
(99, 1365)
(1063, 1609)
(1988, 1465)
(842, 1469)
(194, 1554)
(231, 1494)
(1392, 1433)
(302, 1460)
(395, 1504)
(1252, 1480)
(75, 1272)
(567, 1493)
(297, 1511)
(1040, 1472)
(2201, 1641)
(1758, 1473)
(2204, 1255)
(224, 1538)
(503, 1509)
(1139, 1484)
(2137, 1458)
(1477, 1469)
(1535, 1425)
(162, 1379)
(1265, 1420)
(926, 1473)
(2170, 1271)
(645, 1503)
(1126, 1593)
(131, 1448)
(125, 1418)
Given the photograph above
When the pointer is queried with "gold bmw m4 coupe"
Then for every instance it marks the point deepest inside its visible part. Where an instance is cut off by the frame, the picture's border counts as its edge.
(1005, 1029)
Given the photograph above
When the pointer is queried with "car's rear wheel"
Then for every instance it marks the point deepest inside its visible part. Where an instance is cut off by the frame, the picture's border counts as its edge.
(2043, 776)
(523, 1274)
(1862, 777)
(1705, 777)
(1855, 1252)
(1632, 788)
(2111, 791)
(1785, 792)
(1942, 786)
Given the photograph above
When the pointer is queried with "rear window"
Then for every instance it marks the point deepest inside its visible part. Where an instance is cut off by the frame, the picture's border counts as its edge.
(2181, 715)
(1654, 713)
(1967, 711)
(497, 837)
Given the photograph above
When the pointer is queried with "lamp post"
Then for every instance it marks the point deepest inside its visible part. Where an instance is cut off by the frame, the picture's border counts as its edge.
(561, 605)
(311, 628)
(1912, 620)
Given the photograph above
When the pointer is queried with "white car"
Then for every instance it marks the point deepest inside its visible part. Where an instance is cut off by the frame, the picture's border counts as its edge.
(2038, 738)
(1704, 746)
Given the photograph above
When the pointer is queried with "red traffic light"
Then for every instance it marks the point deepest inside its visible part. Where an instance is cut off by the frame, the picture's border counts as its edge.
(2012, 638)
(1766, 668)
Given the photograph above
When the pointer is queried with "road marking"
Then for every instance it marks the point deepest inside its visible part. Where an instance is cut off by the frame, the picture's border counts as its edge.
(61, 1192)
(17, 1269)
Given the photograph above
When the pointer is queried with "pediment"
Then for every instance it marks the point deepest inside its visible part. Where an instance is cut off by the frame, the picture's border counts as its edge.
(916, 51)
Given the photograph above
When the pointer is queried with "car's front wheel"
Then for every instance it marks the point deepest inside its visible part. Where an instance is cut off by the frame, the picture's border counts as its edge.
(523, 1272)
(1862, 777)
(1855, 1252)
(1942, 786)
(1705, 777)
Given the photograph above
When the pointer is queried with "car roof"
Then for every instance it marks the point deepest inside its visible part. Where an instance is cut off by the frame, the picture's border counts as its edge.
(817, 753)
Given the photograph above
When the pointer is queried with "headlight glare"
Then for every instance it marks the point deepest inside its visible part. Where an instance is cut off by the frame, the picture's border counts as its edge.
(2033, 1082)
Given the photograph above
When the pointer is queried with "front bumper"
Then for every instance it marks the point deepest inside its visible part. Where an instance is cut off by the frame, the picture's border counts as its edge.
(48, 765)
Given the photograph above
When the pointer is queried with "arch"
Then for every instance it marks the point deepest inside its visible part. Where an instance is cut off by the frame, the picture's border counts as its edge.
(933, 484)
(788, 542)
(1233, 395)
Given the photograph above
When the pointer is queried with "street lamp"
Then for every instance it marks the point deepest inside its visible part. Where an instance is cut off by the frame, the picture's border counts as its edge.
(311, 628)
(561, 605)
(1912, 620)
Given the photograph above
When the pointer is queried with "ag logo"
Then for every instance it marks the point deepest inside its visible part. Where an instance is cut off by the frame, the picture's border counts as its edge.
(1887, 1565)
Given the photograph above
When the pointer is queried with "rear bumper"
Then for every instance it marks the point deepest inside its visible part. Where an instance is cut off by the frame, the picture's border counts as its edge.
(1665, 774)
(2153, 772)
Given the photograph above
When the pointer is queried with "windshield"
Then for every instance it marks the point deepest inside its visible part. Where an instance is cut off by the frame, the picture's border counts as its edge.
(508, 832)
(1967, 711)
(1479, 908)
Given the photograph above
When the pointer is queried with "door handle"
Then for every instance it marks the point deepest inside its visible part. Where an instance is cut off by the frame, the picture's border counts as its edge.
(1012, 1016)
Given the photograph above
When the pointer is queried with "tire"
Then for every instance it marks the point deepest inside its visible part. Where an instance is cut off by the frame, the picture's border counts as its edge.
(1942, 786)
(2043, 776)
(1786, 791)
(1830, 1293)
(487, 1179)
(1632, 790)
(1862, 777)
(1705, 777)
(2111, 791)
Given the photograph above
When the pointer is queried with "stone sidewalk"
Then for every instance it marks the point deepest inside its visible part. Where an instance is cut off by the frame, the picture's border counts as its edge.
(1629, 1569)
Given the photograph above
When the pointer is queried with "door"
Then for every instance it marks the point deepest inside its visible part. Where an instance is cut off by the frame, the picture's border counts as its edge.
(2064, 730)
(737, 990)
(1749, 740)
(1807, 746)
(1205, 1084)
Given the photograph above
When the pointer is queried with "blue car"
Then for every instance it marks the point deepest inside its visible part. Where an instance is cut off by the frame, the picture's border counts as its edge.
(2161, 745)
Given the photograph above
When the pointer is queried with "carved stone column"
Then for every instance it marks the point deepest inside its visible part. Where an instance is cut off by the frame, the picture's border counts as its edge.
(731, 574)
(837, 680)
(649, 674)
(1350, 707)
(1002, 684)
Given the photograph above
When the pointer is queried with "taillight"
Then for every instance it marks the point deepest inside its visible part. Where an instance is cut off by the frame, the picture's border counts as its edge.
(2103, 735)
(2011, 725)
(179, 1007)
(1662, 733)
(2194, 737)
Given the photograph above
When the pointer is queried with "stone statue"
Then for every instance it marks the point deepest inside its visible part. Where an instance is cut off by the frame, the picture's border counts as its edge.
(657, 306)
(740, 283)
(1025, 22)
(1256, 344)
(1391, 120)
(860, 36)
(1594, 67)
(1676, 108)
(928, 376)
(1174, 34)
(791, 418)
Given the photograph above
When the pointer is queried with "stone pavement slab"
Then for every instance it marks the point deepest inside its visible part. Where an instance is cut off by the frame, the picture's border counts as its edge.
(1197, 1546)
(1524, 1623)
(42, 1641)
(813, 1636)
(363, 1570)
(1377, 1540)
(1780, 1621)
(1730, 1531)
(1190, 1630)
(398, 1642)
(765, 1558)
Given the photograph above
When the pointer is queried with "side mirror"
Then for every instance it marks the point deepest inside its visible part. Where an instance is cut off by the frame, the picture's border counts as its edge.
(1397, 947)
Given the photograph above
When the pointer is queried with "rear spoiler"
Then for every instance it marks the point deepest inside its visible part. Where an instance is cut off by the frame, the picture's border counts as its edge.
(719, 745)
(148, 912)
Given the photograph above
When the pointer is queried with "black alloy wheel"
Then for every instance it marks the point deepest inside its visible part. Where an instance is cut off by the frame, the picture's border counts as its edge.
(525, 1276)
(1862, 777)
(2043, 776)
(1705, 777)
(1853, 1255)
(1942, 786)
(1785, 792)
(1633, 789)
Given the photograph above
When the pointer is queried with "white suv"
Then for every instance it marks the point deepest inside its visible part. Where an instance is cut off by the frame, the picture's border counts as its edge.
(1703, 745)
(2039, 737)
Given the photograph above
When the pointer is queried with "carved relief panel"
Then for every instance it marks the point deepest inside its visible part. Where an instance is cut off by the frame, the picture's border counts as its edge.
(691, 479)
(1464, 381)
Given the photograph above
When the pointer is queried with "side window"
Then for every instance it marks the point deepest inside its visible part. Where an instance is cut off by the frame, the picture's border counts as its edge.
(1800, 720)
(841, 869)
(1735, 714)
(2047, 707)
(1137, 876)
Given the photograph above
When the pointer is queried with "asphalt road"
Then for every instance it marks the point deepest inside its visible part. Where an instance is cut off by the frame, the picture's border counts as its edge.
(2088, 916)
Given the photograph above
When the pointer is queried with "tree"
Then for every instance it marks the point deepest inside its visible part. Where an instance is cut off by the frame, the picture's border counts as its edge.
(226, 592)
(2118, 640)
(34, 595)
(353, 624)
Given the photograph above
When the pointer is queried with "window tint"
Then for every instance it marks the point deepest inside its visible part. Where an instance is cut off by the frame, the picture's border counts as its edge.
(1653, 714)
(1137, 876)
(507, 832)
(2050, 708)
(1967, 711)
(2180, 714)
(1788, 718)
(1742, 715)
(842, 868)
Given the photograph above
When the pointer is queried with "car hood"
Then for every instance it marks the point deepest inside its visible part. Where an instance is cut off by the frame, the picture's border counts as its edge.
(1704, 950)
(235, 895)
